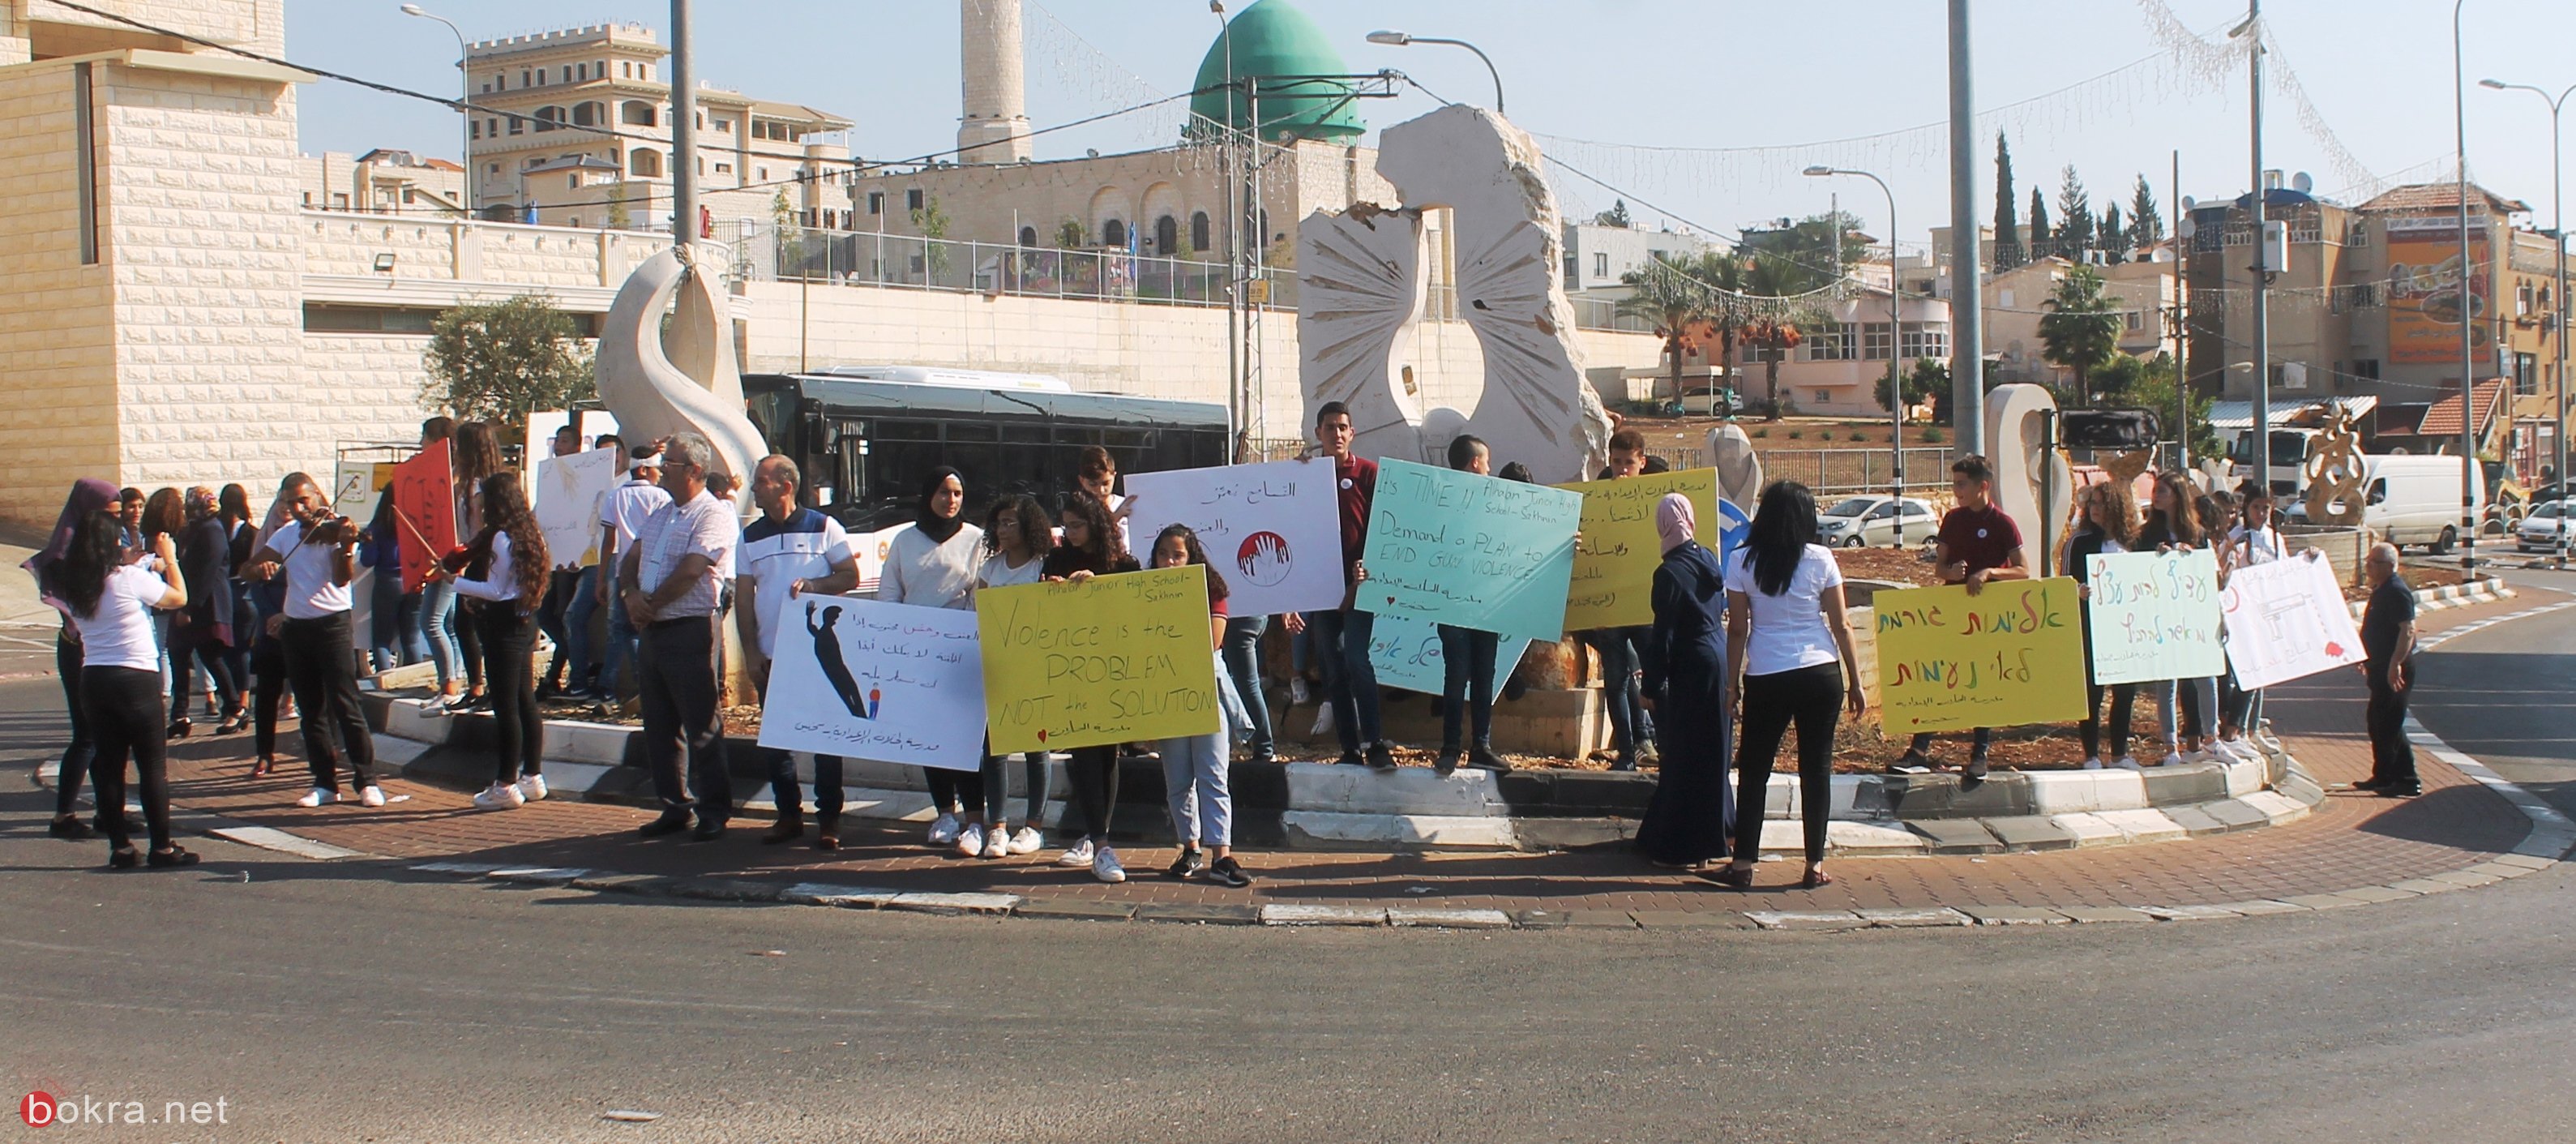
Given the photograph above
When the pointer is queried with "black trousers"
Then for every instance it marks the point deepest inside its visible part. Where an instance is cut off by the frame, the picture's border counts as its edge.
(509, 665)
(124, 707)
(789, 794)
(2392, 758)
(1813, 698)
(82, 752)
(469, 641)
(321, 665)
(201, 644)
(551, 618)
(1094, 774)
(682, 674)
(268, 667)
(955, 792)
(2124, 700)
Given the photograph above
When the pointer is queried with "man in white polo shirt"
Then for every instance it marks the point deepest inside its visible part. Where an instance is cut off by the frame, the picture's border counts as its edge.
(672, 582)
(621, 516)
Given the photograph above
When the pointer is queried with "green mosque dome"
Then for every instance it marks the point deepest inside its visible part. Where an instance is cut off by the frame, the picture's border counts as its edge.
(1280, 48)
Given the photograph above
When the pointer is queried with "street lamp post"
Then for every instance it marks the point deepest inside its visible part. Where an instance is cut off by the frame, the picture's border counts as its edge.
(1895, 342)
(1401, 39)
(2468, 309)
(2558, 304)
(465, 95)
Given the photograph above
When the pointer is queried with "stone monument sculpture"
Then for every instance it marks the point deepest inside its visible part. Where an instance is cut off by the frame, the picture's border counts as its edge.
(2033, 482)
(1739, 468)
(1363, 277)
(685, 380)
(2334, 475)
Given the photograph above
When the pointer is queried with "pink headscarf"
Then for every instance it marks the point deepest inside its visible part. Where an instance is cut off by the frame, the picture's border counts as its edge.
(1675, 520)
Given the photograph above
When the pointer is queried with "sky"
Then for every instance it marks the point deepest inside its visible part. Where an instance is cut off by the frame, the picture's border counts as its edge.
(1700, 113)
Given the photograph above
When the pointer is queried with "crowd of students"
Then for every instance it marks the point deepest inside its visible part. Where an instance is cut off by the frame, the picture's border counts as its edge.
(154, 587)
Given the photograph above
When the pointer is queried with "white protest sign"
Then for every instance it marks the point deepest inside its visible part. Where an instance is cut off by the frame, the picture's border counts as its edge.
(896, 683)
(1273, 530)
(1406, 653)
(2287, 620)
(568, 494)
(2154, 616)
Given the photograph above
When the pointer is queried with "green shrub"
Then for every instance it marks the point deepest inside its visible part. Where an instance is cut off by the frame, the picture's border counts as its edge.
(1796, 434)
(1932, 435)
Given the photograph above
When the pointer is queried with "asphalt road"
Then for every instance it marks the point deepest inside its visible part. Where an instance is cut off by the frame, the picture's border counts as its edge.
(336, 1002)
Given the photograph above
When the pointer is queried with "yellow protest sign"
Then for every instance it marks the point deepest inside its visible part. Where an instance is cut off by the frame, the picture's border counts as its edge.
(1112, 659)
(2010, 655)
(1614, 568)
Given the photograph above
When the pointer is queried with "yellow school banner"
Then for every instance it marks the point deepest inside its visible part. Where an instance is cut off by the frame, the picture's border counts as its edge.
(2010, 655)
(1112, 659)
(1614, 567)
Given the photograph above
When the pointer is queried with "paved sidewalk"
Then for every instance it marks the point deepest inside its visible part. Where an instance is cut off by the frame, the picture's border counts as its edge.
(2351, 845)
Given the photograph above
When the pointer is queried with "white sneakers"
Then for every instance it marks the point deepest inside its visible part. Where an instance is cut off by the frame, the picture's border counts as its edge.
(1298, 694)
(1078, 854)
(970, 841)
(997, 843)
(318, 796)
(2239, 750)
(532, 788)
(373, 796)
(943, 829)
(2172, 759)
(500, 796)
(2200, 755)
(1104, 866)
(1323, 721)
(1027, 840)
(2130, 763)
(2093, 764)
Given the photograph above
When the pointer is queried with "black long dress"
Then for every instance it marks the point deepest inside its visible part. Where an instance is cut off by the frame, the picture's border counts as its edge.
(1694, 806)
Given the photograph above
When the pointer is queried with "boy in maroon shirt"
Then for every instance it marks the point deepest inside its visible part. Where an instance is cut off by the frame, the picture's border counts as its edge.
(1342, 634)
(1977, 545)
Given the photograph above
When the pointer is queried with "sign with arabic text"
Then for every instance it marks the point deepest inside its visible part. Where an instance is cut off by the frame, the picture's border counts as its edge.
(1448, 547)
(898, 683)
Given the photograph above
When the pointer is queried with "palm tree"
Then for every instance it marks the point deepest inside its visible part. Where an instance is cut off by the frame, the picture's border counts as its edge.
(2081, 331)
(1665, 295)
(1775, 336)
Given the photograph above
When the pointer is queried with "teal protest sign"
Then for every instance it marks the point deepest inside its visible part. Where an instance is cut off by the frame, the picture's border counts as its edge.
(1447, 547)
(1407, 654)
(2154, 616)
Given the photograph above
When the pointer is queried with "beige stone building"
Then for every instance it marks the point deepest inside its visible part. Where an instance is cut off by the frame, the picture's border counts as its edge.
(578, 133)
(382, 181)
(2141, 293)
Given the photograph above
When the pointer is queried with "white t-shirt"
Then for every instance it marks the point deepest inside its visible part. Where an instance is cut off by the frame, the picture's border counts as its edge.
(310, 594)
(2259, 546)
(120, 633)
(500, 582)
(1789, 630)
(998, 573)
(628, 506)
(780, 557)
(931, 575)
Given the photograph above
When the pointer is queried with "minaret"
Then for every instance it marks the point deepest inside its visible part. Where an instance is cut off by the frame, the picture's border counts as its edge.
(996, 118)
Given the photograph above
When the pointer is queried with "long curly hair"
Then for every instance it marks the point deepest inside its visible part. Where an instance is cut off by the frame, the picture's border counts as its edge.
(506, 512)
(2182, 524)
(2112, 507)
(1193, 553)
(1102, 530)
(96, 550)
(1035, 528)
(477, 453)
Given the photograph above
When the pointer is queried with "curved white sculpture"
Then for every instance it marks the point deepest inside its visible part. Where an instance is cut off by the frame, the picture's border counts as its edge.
(1362, 277)
(1739, 467)
(2017, 432)
(657, 384)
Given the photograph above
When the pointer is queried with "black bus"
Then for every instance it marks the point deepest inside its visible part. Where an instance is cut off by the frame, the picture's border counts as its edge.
(865, 444)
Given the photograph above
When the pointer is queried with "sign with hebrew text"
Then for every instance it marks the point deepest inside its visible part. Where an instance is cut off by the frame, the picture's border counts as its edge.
(2287, 620)
(2009, 655)
(424, 492)
(2155, 616)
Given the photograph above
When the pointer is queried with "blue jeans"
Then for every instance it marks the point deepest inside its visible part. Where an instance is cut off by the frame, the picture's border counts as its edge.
(438, 626)
(1620, 691)
(578, 617)
(1243, 662)
(621, 647)
(1194, 785)
(393, 623)
(1350, 681)
(2204, 692)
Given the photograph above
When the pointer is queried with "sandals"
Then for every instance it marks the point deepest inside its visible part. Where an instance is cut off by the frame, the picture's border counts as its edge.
(124, 858)
(1729, 877)
(262, 767)
(1814, 879)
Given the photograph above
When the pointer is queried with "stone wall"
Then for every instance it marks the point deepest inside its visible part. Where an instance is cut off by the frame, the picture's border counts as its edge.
(57, 353)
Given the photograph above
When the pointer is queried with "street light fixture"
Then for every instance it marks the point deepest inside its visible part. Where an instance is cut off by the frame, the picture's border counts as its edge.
(465, 94)
(1895, 341)
(1402, 39)
(2558, 307)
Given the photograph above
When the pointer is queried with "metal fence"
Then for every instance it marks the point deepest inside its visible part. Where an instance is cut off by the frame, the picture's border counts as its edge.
(1859, 469)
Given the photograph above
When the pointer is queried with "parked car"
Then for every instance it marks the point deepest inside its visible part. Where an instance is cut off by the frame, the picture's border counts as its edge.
(2543, 526)
(1859, 522)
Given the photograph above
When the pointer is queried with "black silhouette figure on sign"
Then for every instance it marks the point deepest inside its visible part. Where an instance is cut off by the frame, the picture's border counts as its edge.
(827, 651)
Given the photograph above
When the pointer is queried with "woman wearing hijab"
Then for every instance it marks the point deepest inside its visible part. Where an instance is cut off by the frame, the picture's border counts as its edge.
(932, 565)
(202, 632)
(1685, 663)
(87, 498)
(1787, 641)
(112, 602)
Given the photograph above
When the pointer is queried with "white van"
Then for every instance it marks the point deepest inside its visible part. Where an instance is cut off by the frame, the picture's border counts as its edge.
(2413, 500)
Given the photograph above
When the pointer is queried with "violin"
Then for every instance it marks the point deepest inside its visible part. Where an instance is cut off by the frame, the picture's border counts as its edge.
(471, 553)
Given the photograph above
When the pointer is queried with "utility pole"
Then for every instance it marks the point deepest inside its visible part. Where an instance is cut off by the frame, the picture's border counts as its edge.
(684, 128)
(2262, 324)
(1238, 432)
(2469, 316)
(2182, 376)
(1967, 265)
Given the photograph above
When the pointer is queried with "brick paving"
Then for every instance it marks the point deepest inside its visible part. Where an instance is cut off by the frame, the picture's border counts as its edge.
(2350, 841)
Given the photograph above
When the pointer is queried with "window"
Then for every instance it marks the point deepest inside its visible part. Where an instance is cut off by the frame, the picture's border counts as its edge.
(1874, 342)
(912, 199)
(1821, 396)
(1029, 235)
(541, 77)
(1922, 342)
(496, 168)
(1113, 233)
(2134, 319)
(724, 125)
(523, 78)
(580, 72)
(517, 125)
(2366, 369)
(1600, 265)
(492, 127)
(586, 115)
(724, 168)
(876, 202)
(761, 173)
(2526, 375)
(647, 164)
(367, 319)
(2521, 297)
(1167, 235)
(549, 117)
(1198, 231)
(573, 221)
(1836, 344)
(473, 129)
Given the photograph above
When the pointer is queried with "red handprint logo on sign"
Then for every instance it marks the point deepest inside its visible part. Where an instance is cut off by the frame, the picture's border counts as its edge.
(1264, 558)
